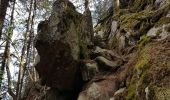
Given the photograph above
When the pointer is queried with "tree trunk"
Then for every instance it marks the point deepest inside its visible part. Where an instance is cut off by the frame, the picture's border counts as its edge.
(7, 46)
(116, 5)
(30, 41)
(10, 92)
(3, 6)
(86, 4)
(22, 65)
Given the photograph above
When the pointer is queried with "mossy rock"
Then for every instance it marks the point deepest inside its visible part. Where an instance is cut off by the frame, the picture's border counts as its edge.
(163, 20)
(119, 13)
(138, 82)
(132, 21)
(152, 71)
(159, 93)
(138, 5)
(143, 40)
(83, 50)
(132, 89)
(143, 20)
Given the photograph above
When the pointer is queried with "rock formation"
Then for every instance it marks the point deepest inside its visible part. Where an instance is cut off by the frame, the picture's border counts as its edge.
(58, 45)
(129, 61)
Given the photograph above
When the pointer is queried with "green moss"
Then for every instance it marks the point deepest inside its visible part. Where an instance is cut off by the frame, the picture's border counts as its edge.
(138, 5)
(142, 63)
(142, 20)
(138, 15)
(132, 89)
(145, 77)
(141, 72)
(163, 20)
(83, 50)
(131, 20)
(148, 65)
(143, 82)
(143, 40)
(161, 93)
(104, 15)
(120, 13)
(140, 78)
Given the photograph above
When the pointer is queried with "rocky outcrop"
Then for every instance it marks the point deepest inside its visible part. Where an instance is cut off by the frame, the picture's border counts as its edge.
(137, 31)
(57, 44)
(127, 59)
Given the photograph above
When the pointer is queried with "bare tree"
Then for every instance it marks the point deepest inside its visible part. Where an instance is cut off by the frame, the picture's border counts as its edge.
(8, 42)
(22, 65)
(6, 56)
(30, 42)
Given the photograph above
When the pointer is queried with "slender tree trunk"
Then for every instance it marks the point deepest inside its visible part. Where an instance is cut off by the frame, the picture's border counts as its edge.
(8, 53)
(28, 55)
(34, 73)
(3, 9)
(116, 4)
(22, 65)
(9, 77)
(8, 41)
(86, 4)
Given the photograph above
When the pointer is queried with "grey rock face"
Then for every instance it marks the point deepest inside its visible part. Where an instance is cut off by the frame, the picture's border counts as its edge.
(57, 44)
(161, 32)
(87, 27)
(94, 92)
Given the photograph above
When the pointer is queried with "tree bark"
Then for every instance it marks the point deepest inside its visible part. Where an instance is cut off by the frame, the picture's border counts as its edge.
(22, 65)
(86, 4)
(3, 9)
(30, 41)
(10, 92)
(7, 46)
(116, 5)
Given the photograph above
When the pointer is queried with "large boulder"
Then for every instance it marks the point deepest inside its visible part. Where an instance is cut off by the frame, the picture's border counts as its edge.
(57, 43)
